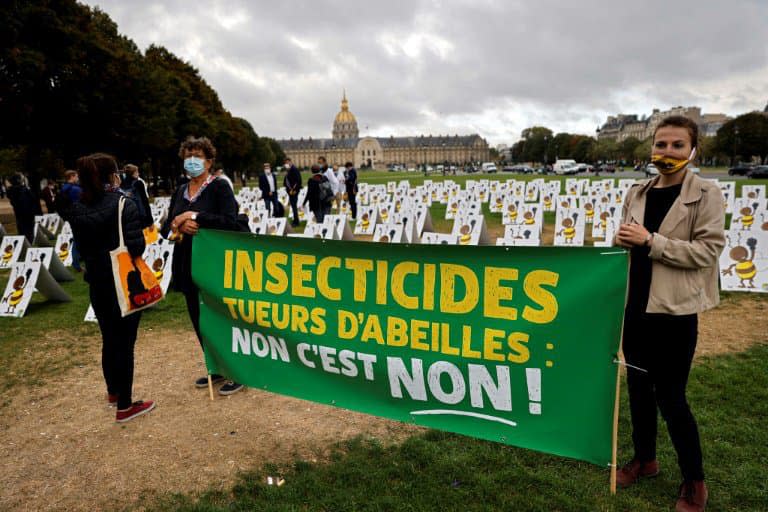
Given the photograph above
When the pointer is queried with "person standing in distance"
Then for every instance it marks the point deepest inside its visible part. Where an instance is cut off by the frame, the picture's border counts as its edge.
(268, 187)
(292, 183)
(95, 228)
(329, 175)
(70, 193)
(673, 226)
(319, 209)
(350, 183)
(204, 202)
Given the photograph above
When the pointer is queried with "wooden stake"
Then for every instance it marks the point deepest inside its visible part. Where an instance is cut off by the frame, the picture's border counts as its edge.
(615, 432)
(210, 386)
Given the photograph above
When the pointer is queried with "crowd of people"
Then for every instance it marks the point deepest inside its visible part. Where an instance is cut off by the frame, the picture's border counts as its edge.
(672, 225)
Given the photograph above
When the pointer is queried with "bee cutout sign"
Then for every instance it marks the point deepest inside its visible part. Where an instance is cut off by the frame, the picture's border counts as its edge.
(45, 255)
(25, 278)
(12, 248)
(744, 261)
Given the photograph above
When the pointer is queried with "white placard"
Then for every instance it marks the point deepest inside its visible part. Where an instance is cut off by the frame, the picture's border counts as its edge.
(12, 249)
(46, 256)
(744, 262)
(569, 228)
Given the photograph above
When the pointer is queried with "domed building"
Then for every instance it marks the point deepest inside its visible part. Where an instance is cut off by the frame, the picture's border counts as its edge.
(346, 145)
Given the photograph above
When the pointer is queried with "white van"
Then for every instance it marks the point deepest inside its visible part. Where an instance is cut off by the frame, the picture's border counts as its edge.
(489, 167)
(562, 166)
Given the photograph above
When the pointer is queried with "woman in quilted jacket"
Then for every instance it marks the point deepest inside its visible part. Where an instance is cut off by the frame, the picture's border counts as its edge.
(95, 228)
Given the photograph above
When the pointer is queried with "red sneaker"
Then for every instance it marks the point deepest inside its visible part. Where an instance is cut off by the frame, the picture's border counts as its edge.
(634, 470)
(111, 399)
(693, 497)
(136, 410)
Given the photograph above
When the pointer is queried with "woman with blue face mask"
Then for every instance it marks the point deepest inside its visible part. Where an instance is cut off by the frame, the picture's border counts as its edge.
(204, 202)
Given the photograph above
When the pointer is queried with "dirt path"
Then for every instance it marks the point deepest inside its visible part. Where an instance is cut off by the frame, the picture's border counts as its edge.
(61, 449)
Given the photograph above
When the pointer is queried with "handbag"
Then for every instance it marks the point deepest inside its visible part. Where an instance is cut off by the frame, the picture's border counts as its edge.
(136, 286)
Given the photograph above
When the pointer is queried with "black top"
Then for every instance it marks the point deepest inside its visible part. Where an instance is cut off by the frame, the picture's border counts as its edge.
(264, 184)
(94, 228)
(292, 180)
(657, 203)
(350, 181)
(216, 209)
(313, 191)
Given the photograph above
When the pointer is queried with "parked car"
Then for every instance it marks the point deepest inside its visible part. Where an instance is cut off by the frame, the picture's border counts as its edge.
(759, 172)
(489, 167)
(740, 170)
(650, 170)
(605, 168)
(508, 168)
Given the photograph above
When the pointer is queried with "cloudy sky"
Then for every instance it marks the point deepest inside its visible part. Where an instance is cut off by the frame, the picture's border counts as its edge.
(462, 66)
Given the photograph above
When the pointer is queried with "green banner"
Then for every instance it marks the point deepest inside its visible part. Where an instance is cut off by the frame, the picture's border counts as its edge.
(510, 344)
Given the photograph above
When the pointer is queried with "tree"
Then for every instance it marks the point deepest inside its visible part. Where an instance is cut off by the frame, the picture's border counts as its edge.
(626, 149)
(744, 137)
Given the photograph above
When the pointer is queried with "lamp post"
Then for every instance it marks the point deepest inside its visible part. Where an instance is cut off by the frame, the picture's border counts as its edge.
(735, 143)
(546, 148)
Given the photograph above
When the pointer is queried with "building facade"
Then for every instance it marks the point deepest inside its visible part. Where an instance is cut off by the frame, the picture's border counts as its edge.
(346, 145)
(622, 126)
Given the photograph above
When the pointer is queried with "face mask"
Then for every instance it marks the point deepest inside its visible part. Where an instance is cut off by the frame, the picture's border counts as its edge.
(287, 166)
(669, 165)
(195, 166)
(267, 171)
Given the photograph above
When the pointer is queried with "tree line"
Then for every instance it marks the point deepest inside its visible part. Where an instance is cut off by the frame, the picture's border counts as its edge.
(71, 84)
(742, 139)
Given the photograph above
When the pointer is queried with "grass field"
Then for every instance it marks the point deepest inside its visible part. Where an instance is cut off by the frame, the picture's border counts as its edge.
(436, 470)
(440, 471)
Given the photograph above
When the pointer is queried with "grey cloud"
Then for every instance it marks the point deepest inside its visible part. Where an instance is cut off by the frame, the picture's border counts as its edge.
(498, 65)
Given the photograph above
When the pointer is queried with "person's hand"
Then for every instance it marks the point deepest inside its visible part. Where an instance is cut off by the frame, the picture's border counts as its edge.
(181, 219)
(632, 235)
(189, 227)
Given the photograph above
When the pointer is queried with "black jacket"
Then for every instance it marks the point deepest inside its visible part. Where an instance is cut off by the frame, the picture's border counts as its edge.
(292, 180)
(350, 181)
(264, 186)
(313, 191)
(95, 230)
(25, 207)
(216, 209)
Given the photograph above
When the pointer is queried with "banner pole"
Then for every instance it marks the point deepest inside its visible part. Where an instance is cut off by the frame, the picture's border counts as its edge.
(210, 386)
(614, 450)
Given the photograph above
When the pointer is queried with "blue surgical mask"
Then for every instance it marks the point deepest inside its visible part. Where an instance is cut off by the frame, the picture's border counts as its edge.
(195, 166)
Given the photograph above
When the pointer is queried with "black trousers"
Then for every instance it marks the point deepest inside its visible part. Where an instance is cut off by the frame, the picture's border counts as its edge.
(664, 346)
(270, 202)
(193, 308)
(352, 199)
(118, 337)
(294, 200)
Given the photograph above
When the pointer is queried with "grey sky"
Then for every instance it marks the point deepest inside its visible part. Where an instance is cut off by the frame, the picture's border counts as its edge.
(463, 66)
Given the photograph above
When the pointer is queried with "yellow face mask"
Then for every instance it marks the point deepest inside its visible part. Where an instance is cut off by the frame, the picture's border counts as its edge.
(669, 165)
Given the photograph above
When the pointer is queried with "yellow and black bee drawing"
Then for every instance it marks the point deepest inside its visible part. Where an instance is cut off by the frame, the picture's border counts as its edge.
(569, 228)
(14, 298)
(744, 266)
(8, 252)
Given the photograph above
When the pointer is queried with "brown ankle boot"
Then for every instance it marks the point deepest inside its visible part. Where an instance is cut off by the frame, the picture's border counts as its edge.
(693, 496)
(634, 470)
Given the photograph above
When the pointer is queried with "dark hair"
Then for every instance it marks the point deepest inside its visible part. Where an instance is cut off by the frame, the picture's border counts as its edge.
(202, 143)
(95, 171)
(322, 159)
(348, 164)
(69, 174)
(681, 122)
(315, 168)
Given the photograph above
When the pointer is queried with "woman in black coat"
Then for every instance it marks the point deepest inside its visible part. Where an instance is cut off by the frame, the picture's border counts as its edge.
(95, 228)
(319, 208)
(203, 202)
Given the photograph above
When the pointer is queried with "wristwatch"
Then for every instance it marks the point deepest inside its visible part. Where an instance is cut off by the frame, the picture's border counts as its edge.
(193, 216)
(648, 239)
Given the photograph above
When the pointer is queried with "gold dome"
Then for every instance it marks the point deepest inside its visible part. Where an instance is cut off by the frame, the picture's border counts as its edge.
(345, 116)
(345, 124)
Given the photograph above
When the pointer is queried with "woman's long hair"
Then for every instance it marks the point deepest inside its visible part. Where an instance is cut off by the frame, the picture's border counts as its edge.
(95, 172)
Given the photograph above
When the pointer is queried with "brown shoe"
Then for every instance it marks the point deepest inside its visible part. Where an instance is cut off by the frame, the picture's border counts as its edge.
(634, 470)
(693, 497)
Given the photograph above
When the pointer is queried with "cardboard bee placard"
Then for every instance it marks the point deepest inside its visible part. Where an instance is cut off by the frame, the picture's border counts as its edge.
(604, 215)
(389, 233)
(471, 230)
(744, 261)
(569, 227)
(63, 248)
(438, 239)
(51, 261)
(520, 235)
(43, 237)
(749, 214)
(366, 221)
(753, 191)
(12, 250)
(25, 279)
(159, 257)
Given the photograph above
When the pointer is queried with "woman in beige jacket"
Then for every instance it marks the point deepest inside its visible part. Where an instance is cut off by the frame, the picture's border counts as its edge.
(673, 225)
